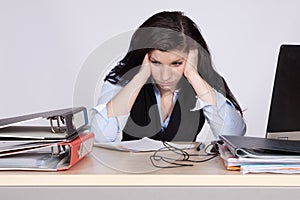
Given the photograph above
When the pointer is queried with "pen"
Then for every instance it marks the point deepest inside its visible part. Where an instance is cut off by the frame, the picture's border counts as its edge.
(200, 146)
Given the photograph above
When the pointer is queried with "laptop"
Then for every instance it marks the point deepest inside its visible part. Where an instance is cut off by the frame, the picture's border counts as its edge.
(283, 128)
(284, 113)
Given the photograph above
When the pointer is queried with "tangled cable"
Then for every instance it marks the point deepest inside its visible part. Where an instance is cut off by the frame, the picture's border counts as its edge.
(182, 160)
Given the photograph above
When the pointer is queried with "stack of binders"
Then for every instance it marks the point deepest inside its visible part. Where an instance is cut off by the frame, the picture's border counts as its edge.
(58, 144)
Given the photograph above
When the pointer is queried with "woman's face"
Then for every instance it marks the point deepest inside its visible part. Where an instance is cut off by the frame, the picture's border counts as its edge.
(167, 68)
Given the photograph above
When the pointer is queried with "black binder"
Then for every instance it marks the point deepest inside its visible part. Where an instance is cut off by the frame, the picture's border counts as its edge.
(63, 124)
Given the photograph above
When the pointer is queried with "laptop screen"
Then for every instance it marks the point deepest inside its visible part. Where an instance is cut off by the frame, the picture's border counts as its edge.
(284, 114)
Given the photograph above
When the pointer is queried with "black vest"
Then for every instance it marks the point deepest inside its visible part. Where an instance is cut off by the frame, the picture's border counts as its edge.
(144, 119)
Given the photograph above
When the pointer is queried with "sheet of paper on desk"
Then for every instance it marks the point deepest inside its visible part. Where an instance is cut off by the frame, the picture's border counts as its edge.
(143, 145)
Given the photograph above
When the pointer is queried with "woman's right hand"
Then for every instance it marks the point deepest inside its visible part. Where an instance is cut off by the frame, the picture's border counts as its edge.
(145, 70)
(122, 103)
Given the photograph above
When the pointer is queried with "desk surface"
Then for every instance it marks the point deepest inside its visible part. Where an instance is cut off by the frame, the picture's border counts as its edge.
(105, 167)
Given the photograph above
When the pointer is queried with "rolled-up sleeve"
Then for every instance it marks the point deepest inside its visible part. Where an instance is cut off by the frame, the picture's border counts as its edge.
(106, 129)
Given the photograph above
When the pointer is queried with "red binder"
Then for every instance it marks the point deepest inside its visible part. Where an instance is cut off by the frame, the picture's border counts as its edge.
(79, 148)
(54, 156)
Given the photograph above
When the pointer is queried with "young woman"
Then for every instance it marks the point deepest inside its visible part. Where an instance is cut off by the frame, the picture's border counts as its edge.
(165, 87)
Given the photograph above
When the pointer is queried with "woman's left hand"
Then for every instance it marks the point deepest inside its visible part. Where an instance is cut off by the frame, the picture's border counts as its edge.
(191, 63)
(203, 90)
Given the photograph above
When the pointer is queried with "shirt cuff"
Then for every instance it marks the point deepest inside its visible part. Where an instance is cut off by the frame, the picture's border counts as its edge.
(104, 128)
(101, 108)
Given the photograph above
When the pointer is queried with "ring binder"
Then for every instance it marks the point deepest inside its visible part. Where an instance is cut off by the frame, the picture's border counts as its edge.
(58, 124)
(55, 156)
(57, 146)
(69, 122)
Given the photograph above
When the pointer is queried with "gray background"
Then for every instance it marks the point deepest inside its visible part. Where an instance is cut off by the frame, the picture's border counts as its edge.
(45, 44)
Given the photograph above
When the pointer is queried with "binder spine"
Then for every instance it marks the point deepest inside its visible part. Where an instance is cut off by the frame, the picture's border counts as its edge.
(80, 147)
(74, 121)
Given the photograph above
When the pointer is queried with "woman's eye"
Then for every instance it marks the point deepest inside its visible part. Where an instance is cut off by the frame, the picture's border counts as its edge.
(177, 63)
(155, 62)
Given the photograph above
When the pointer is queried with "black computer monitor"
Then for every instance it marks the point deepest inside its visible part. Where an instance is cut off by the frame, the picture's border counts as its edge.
(284, 114)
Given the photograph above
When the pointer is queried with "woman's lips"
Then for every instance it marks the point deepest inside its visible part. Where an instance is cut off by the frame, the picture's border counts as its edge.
(165, 83)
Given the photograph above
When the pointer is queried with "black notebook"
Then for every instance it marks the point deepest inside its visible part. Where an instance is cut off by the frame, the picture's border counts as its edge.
(255, 147)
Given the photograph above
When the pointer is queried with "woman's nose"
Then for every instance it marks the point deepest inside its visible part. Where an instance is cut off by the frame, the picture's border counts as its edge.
(166, 73)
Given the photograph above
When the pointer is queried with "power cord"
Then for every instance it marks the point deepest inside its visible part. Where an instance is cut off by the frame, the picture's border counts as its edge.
(183, 158)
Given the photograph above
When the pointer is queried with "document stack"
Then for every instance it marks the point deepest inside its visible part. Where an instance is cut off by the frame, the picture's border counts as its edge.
(58, 144)
(260, 155)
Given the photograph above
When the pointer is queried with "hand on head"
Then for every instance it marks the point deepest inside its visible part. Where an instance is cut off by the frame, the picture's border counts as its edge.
(190, 68)
(191, 63)
(145, 70)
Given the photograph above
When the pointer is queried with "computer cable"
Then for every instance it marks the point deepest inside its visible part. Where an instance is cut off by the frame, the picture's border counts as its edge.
(183, 158)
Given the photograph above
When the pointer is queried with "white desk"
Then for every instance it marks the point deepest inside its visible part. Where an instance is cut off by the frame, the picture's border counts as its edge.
(102, 168)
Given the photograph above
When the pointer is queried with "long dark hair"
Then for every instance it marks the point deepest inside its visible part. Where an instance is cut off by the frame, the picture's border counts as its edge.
(167, 31)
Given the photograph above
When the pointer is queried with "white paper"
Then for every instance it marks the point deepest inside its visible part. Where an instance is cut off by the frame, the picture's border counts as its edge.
(143, 145)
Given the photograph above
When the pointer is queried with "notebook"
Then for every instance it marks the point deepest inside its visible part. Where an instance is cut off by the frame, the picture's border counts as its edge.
(256, 147)
(283, 128)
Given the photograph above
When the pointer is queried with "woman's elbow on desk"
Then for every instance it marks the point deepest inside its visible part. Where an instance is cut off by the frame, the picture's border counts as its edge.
(228, 122)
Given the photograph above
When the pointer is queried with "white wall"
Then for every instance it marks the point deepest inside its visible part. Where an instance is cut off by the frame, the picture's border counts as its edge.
(45, 44)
